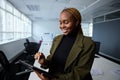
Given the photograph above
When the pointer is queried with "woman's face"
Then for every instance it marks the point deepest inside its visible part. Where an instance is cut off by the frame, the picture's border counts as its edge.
(67, 22)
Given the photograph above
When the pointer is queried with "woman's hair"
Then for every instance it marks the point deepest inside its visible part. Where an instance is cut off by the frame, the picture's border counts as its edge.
(76, 14)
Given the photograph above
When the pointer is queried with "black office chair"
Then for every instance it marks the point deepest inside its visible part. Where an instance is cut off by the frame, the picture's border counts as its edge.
(97, 44)
(31, 47)
(7, 70)
(4, 73)
(97, 47)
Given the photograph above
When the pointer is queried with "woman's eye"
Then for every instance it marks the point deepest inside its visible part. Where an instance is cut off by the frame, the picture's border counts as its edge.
(60, 23)
(66, 22)
(63, 22)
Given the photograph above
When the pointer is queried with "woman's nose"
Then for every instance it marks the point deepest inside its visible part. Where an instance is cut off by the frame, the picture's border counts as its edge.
(62, 26)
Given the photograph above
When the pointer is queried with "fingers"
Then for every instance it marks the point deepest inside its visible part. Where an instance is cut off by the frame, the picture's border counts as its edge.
(41, 76)
(38, 74)
(44, 77)
(37, 55)
(40, 57)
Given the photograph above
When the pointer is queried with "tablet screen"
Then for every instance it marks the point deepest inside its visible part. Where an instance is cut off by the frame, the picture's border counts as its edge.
(35, 68)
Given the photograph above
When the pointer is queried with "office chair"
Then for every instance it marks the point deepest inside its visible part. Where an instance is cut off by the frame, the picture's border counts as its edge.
(97, 44)
(4, 72)
(7, 70)
(30, 49)
(97, 47)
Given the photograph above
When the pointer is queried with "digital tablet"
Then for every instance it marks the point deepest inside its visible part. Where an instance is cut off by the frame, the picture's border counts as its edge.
(36, 69)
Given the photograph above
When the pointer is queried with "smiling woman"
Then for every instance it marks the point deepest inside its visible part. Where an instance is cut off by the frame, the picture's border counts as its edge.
(72, 54)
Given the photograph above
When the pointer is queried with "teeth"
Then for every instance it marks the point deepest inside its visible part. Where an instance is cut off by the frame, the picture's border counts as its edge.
(64, 30)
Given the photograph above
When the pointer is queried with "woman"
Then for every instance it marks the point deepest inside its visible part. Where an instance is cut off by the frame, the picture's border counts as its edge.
(72, 54)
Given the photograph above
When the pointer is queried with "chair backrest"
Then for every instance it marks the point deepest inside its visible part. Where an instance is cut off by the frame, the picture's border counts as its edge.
(97, 47)
(31, 47)
(3, 60)
(4, 72)
(8, 71)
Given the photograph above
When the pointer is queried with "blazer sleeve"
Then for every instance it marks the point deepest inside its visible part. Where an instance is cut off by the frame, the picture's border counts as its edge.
(49, 57)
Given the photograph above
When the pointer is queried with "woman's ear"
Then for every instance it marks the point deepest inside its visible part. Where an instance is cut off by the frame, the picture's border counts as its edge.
(77, 23)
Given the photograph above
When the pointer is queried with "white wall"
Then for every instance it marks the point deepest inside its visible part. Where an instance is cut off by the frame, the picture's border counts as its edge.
(45, 26)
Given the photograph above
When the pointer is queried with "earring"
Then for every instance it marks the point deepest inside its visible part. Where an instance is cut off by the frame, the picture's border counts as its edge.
(76, 24)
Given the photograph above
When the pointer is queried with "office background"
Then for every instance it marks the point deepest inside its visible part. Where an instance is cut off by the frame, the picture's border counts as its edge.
(107, 32)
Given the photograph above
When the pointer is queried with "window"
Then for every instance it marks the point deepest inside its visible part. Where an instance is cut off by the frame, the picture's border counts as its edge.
(98, 19)
(2, 4)
(87, 29)
(9, 7)
(8, 27)
(114, 15)
(107, 17)
(13, 24)
(0, 25)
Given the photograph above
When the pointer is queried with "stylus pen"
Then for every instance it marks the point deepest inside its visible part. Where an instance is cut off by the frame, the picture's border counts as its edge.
(39, 56)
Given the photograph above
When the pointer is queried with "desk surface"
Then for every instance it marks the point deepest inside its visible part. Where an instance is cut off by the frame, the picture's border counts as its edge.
(102, 69)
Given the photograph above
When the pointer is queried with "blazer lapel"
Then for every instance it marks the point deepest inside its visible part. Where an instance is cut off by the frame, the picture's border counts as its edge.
(56, 43)
(74, 52)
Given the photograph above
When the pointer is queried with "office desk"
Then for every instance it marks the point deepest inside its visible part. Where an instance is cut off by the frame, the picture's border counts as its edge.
(102, 69)
(106, 68)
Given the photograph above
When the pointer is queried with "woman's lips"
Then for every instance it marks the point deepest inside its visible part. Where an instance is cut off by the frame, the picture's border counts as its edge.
(64, 30)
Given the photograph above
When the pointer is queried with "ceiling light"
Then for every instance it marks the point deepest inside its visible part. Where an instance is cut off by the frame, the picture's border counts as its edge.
(63, 1)
(33, 7)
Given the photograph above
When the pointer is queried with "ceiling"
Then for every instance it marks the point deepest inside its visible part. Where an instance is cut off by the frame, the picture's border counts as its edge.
(38, 10)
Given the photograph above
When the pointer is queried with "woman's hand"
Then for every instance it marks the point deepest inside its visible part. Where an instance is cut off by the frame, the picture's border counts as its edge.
(41, 76)
(40, 57)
